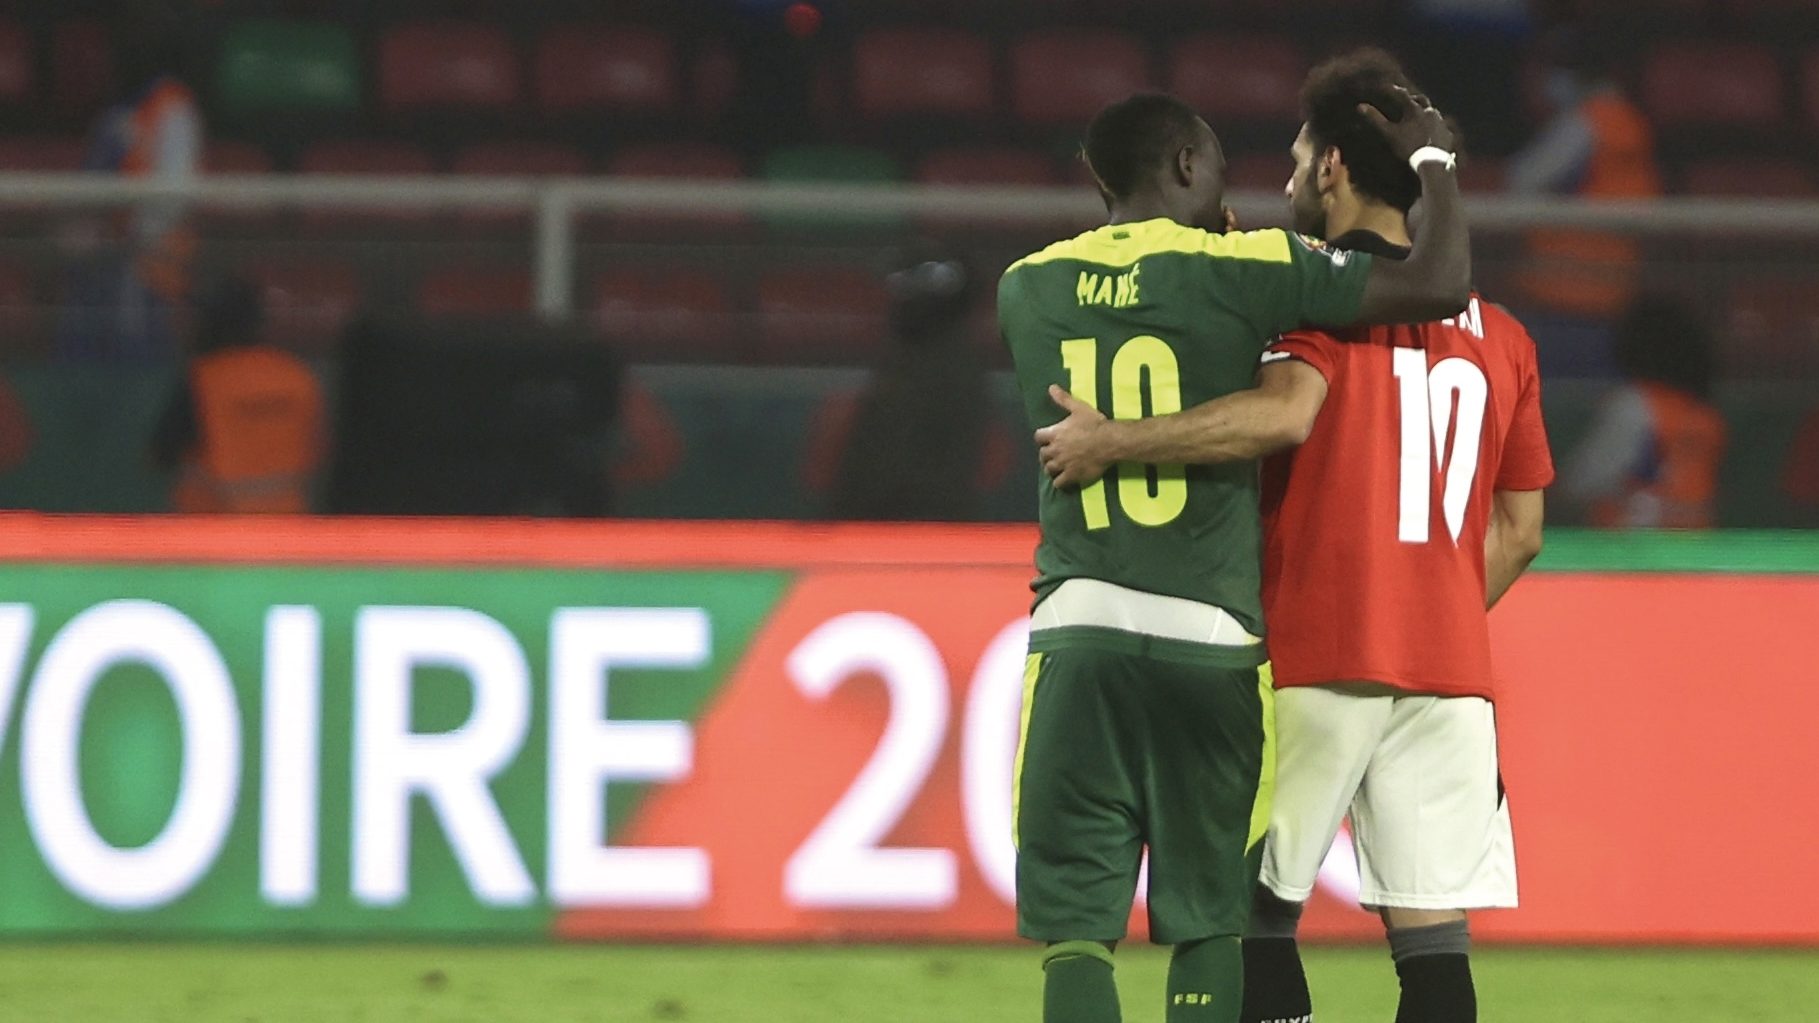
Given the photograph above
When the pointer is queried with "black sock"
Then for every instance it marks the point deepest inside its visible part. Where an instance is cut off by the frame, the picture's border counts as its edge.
(1437, 989)
(1275, 985)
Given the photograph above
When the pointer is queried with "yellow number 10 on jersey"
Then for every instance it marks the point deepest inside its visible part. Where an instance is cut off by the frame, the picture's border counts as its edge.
(1140, 360)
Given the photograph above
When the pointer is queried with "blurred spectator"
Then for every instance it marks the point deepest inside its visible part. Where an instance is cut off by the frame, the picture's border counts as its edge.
(133, 274)
(1651, 459)
(916, 444)
(244, 430)
(1598, 145)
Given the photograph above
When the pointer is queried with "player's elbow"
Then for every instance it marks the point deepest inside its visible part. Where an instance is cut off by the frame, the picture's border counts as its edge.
(1527, 542)
(1295, 427)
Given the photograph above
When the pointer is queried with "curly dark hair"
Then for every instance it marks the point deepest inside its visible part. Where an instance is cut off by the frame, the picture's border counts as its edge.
(1128, 140)
(1329, 105)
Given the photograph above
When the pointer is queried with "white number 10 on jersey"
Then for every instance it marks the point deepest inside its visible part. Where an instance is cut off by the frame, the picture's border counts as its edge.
(1428, 401)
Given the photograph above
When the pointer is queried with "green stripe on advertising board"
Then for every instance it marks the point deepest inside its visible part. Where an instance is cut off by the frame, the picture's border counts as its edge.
(129, 755)
(1731, 550)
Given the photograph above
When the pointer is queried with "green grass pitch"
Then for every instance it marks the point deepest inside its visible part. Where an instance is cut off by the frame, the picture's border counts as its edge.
(279, 983)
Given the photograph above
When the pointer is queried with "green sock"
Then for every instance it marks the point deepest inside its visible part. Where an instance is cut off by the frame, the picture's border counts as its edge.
(1206, 981)
(1077, 984)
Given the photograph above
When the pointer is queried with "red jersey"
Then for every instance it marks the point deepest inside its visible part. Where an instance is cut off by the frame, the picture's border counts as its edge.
(1374, 528)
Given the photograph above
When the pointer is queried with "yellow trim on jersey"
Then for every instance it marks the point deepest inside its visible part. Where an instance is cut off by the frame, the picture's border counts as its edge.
(1032, 667)
(1120, 245)
(1266, 778)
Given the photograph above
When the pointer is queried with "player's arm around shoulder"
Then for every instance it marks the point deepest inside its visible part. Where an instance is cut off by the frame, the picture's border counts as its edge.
(1278, 413)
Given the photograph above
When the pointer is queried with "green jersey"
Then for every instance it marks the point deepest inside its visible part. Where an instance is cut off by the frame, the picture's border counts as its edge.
(1143, 320)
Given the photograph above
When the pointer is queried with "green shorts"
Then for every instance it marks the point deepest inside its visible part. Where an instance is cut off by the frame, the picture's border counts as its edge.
(1128, 742)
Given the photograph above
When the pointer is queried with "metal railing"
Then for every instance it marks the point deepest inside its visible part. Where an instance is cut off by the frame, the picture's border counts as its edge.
(555, 204)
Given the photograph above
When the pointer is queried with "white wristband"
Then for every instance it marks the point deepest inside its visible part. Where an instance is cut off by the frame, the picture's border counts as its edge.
(1431, 154)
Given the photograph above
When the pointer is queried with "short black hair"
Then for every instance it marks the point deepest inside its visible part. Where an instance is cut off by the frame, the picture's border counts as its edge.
(1329, 105)
(1133, 137)
(1665, 340)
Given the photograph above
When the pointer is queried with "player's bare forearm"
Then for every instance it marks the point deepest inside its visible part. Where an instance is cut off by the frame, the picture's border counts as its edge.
(1512, 542)
(1235, 428)
(1278, 413)
(1435, 281)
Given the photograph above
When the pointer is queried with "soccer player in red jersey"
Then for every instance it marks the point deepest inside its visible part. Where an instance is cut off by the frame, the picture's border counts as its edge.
(1411, 501)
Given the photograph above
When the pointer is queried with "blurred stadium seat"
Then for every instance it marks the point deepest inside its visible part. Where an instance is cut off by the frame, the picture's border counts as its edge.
(607, 68)
(307, 304)
(531, 158)
(666, 315)
(364, 156)
(1714, 85)
(474, 291)
(18, 74)
(1774, 325)
(82, 66)
(676, 160)
(1064, 76)
(922, 72)
(987, 165)
(1482, 174)
(41, 153)
(285, 66)
(1744, 178)
(21, 314)
(822, 314)
(1809, 88)
(225, 157)
(1239, 78)
(448, 66)
(1262, 171)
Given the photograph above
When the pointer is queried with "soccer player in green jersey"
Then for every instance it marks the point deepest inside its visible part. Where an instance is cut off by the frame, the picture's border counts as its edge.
(1146, 718)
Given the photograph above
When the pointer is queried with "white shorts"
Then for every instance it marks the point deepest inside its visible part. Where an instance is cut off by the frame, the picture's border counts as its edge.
(1430, 825)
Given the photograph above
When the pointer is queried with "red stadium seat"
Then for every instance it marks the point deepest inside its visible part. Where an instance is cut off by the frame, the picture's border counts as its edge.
(513, 159)
(681, 160)
(676, 160)
(46, 155)
(1264, 172)
(927, 71)
(307, 305)
(22, 314)
(1064, 76)
(987, 166)
(449, 65)
(16, 63)
(619, 69)
(473, 291)
(665, 313)
(1713, 85)
(715, 77)
(1774, 324)
(1809, 87)
(533, 159)
(357, 156)
(236, 158)
(824, 313)
(1749, 178)
(1483, 174)
(1239, 78)
(82, 66)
